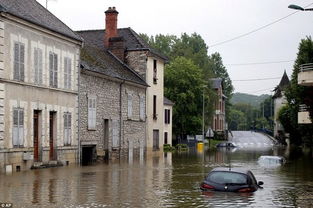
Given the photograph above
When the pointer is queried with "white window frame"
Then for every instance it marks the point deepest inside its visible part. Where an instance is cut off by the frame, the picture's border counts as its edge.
(92, 112)
(18, 127)
(19, 61)
(67, 128)
(53, 70)
(38, 65)
(129, 106)
(67, 73)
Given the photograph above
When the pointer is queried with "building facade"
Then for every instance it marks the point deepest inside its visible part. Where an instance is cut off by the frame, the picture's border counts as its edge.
(279, 101)
(39, 58)
(219, 125)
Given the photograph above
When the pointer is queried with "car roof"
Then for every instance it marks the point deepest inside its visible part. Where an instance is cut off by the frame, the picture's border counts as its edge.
(226, 169)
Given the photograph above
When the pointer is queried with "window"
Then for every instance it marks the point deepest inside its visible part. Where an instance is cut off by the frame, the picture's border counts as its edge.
(129, 105)
(165, 137)
(142, 108)
(38, 65)
(92, 113)
(67, 128)
(19, 59)
(155, 79)
(67, 72)
(18, 127)
(167, 116)
(53, 69)
(154, 107)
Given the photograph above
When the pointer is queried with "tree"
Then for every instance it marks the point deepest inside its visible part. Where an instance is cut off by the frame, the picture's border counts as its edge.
(297, 95)
(237, 120)
(184, 86)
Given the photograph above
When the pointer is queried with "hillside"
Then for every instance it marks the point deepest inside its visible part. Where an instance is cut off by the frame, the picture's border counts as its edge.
(253, 100)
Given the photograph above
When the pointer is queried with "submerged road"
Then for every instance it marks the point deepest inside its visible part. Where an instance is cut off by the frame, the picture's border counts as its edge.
(250, 139)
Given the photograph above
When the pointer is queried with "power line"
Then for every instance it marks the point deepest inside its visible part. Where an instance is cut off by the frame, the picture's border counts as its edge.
(261, 79)
(260, 63)
(255, 30)
(261, 90)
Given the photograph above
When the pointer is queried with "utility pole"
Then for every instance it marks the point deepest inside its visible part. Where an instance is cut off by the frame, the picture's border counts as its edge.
(203, 114)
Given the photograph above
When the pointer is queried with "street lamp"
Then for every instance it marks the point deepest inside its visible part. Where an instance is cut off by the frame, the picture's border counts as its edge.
(293, 6)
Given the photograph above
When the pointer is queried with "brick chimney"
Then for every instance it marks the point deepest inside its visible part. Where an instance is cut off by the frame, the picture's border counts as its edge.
(110, 25)
(112, 41)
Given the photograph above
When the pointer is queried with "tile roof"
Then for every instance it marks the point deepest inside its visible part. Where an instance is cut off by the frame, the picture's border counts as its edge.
(216, 82)
(32, 11)
(284, 82)
(132, 40)
(167, 101)
(104, 62)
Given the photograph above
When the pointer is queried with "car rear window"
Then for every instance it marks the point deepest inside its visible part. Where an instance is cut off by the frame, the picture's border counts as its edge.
(223, 177)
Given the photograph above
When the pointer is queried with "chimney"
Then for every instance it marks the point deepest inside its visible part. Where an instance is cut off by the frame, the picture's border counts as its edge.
(110, 25)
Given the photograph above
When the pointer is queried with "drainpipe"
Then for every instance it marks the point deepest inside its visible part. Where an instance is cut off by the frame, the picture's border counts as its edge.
(121, 116)
(78, 114)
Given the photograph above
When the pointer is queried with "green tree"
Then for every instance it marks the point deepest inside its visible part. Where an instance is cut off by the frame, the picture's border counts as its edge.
(297, 95)
(237, 120)
(184, 86)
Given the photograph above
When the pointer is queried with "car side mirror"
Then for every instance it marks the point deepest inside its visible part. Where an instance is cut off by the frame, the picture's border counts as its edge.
(260, 183)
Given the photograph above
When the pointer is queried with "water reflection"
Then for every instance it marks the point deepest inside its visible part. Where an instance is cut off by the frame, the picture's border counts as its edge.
(163, 180)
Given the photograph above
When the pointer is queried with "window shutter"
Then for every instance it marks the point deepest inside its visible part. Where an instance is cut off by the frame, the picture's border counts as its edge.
(92, 113)
(51, 69)
(69, 72)
(36, 65)
(130, 105)
(55, 65)
(142, 108)
(16, 61)
(22, 57)
(65, 73)
(40, 66)
(169, 116)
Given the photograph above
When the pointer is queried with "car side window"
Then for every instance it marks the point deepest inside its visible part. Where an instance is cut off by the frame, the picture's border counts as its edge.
(252, 178)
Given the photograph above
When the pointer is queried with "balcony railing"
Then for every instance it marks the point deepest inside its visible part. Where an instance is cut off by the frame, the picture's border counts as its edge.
(305, 76)
(306, 67)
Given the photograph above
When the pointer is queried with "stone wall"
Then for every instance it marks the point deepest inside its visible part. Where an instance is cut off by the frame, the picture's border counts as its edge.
(137, 60)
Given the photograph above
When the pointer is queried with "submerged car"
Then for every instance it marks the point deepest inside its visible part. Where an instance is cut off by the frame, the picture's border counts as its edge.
(226, 144)
(230, 180)
(267, 160)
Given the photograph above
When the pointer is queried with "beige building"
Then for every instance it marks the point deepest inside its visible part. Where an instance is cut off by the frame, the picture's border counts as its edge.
(279, 101)
(39, 58)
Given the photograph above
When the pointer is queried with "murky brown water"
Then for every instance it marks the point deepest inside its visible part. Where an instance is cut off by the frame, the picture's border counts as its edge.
(169, 180)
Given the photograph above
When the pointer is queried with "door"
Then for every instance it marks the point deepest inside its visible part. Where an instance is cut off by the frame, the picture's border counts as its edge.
(106, 138)
(36, 135)
(155, 139)
(52, 135)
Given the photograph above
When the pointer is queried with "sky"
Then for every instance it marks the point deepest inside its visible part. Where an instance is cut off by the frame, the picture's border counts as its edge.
(216, 21)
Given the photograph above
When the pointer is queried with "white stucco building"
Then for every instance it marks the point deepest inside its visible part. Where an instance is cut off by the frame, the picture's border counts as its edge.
(39, 58)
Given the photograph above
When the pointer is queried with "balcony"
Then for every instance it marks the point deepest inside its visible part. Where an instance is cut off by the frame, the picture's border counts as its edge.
(305, 76)
(304, 115)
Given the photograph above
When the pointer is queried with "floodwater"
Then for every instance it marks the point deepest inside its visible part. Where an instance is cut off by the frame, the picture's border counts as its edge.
(164, 180)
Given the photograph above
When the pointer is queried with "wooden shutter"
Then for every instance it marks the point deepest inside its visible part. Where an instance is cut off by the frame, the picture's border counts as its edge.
(22, 59)
(142, 108)
(36, 72)
(15, 128)
(51, 69)
(91, 113)
(40, 66)
(21, 127)
(55, 70)
(115, 128)
(16, 61)
(65, 73)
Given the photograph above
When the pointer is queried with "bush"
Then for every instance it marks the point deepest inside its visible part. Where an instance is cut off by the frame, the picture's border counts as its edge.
(168, 148)
(182, 147)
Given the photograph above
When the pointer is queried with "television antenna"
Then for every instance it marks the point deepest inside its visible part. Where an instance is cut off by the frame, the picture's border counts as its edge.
(47, 3)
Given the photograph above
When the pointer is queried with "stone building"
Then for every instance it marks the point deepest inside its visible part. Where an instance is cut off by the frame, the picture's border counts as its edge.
(39, 59)
(132, 52)
(279, 101)
(219, 125)
(112, 104)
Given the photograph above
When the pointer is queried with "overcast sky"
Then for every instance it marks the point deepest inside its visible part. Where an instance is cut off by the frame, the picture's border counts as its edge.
(216, 21)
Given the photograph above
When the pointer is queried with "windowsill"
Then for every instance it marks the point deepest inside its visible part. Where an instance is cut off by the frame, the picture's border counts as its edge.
(91, 129)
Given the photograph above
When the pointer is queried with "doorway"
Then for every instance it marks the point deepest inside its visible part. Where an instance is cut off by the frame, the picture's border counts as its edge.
(155, 139)
(36, 135)
(52, 130)
(88, 154)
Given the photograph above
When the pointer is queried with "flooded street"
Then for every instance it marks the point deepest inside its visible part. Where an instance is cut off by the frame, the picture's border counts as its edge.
(165, 180)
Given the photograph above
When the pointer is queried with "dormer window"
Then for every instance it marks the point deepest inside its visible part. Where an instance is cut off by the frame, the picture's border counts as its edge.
(155, 79)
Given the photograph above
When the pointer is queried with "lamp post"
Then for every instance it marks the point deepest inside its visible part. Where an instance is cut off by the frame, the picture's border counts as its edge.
(293, 6)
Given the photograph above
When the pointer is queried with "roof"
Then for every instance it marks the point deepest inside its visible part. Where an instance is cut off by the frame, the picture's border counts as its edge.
(32, 11)
(237, 170)
(132, 40)
(216, 83)
(104, 62)
(284, 82)
(167, 101)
